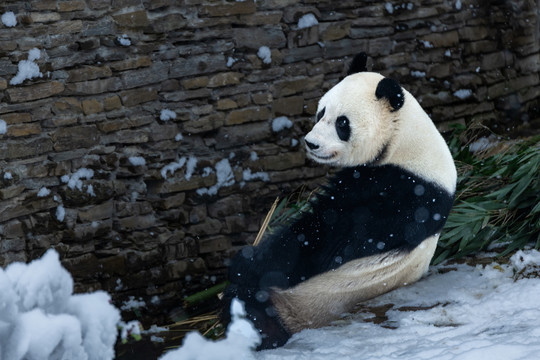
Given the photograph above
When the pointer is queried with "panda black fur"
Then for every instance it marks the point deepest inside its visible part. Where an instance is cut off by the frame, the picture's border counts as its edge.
(374, 227)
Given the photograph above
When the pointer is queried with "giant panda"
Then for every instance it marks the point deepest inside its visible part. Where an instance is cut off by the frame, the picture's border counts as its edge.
(372, 228)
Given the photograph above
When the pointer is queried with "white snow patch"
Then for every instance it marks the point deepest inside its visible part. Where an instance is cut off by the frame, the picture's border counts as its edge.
(448, 53)
(40, 318)
(463, 93)
(231, 61)
(249, 176)
(426, 44)
(60, 213)
(389, 8)
(458, 4)
(3, 127)
(27, 69)
(137, 160)
(241, 339)
(281, 123)
(132, 303)
(253, 156)
(43, 192)
(418, 74)
(265, 54)
(470, 313)
(74, 181)
(306, 21)
(294, 142)
(172, 167)
(8, 176)
(124, 40)
(225, 177)
(207, 171)
(483, 143)
(9, 19)
(178, 137)
(190, 167)
(167, 114)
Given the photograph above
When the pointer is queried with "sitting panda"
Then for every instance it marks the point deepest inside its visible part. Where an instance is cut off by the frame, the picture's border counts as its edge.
(373, 228)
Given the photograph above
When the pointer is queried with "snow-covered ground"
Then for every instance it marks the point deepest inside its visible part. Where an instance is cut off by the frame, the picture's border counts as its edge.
(456, 312)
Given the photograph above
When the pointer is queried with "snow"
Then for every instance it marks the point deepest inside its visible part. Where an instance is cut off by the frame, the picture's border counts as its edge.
(249, 176)
(137, 160)
(43, 192)
(241, 338)
(60, 213)
(132, 303)
(463, 93)
(225, 177)
(306, 21)
(27, 69)
(178, 137)
(458, 5)
(389, 8)
(41, 318)
(167, 115)
(281, 123)
(124, 40)
(9, 19)
(190, 167)
(172, 167)
(3, 127)
(265, 54)
(253, 156)
(418, 74)
(74, 181)
(456, 312)
(426, 44)
(8, 176)
(231, 61)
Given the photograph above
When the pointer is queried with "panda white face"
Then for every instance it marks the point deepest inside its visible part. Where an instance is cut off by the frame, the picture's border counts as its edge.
(352, 126)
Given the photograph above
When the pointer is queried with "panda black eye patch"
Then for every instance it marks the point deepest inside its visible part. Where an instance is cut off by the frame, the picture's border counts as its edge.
(343, 128)
(321, 114)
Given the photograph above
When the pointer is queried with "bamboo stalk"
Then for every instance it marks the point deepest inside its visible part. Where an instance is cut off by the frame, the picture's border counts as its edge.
(266, 222)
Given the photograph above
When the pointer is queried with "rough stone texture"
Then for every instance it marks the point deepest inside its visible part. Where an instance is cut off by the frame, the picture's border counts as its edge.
(151, 222)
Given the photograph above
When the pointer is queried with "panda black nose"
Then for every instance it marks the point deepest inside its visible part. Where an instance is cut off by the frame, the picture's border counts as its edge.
(311, 145)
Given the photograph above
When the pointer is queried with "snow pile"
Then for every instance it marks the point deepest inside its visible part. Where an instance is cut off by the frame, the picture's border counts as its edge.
(74, 181)
(463, 93)
(137, 160)
(281, 123)
(27, 69)
(418, 74)
(40, 318)
(306, 21)
(230, 61)
(124, 40)
(60, 213)
(43, 192)
(427, 44)
(241, 339)
(458, 312)
(167, 115)
(178, 137)
(389, 8)
(3, 127)
(9, 19)
(458, 5)
(225, 177)
(265, 54)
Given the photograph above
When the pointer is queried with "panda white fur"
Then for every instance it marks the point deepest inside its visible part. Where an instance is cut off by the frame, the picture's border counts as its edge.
(374, 227)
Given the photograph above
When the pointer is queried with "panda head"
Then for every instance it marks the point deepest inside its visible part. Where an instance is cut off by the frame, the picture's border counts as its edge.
(356, 118)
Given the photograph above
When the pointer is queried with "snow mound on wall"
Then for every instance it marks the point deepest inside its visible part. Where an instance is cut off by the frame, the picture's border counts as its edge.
(27, 69)
(40, 318)
(241, 339)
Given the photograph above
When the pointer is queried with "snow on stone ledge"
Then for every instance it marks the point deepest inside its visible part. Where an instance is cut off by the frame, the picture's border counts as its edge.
(27, 69)
(40, 318)
(3, 127)
(9, 19)
(265, 54)
(281, 123)
(308, 20)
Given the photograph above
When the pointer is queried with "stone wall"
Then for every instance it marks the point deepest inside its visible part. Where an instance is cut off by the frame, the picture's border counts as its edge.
(141, 204)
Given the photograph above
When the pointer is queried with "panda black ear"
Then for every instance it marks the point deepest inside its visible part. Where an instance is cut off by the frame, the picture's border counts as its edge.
(392, 91)
(358, 64)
